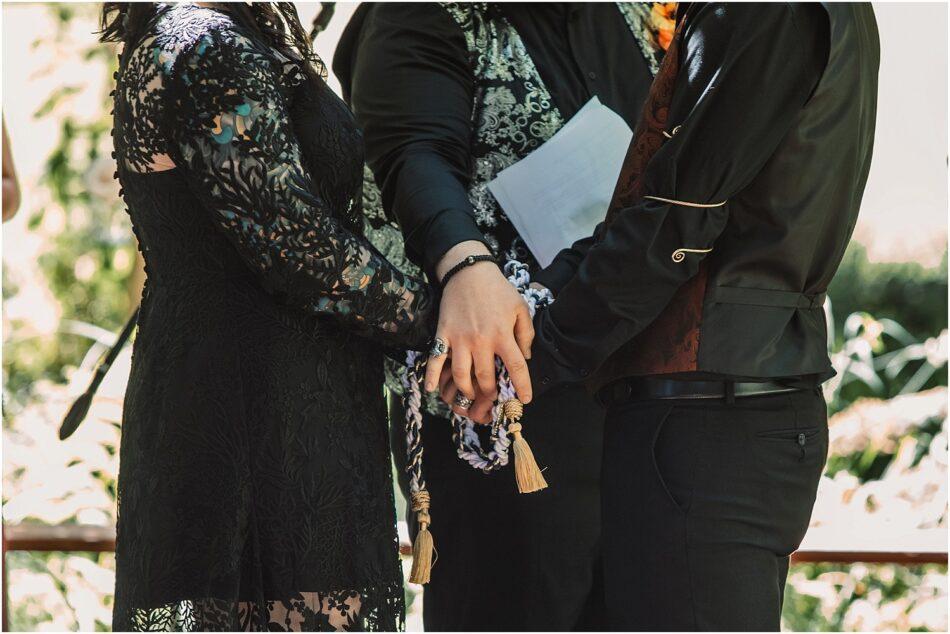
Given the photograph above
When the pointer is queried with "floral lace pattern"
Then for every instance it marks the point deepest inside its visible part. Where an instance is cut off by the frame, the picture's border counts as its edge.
(305, 612)
(255, 491)
(231, 134)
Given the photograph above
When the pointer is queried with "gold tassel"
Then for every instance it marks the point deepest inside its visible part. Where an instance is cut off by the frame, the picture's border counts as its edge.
(527, 473)
(422, 547)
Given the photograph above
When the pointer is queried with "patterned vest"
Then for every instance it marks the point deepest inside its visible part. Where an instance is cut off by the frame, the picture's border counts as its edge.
(512, 115)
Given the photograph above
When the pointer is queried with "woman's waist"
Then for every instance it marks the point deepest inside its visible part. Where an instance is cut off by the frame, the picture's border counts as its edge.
(253, 349)
(232, 308)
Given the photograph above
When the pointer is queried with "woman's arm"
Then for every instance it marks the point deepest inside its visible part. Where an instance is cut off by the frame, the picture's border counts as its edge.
(233, 138)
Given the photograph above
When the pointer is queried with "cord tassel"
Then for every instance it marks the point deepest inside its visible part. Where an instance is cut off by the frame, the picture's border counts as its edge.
(423, 547)
(527, 473)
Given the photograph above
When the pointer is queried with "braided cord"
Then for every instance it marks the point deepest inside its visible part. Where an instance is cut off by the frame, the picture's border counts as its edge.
(412, 402)
(468, 445)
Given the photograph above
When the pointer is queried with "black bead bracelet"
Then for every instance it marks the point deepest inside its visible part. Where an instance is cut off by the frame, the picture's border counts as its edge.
(464, 264)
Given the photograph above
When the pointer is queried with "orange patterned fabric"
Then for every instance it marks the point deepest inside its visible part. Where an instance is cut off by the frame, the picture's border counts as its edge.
(648, 137)
(663, 22)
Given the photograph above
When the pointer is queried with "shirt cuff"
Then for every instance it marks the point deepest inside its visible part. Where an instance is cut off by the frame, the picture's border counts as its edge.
(555, 275)
(547, 366)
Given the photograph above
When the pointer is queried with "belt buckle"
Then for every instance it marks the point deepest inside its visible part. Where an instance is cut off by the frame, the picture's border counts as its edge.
(614, 393)
(621, 391)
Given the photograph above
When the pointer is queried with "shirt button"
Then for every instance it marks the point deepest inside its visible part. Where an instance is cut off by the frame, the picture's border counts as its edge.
(592, 75)
(545, 380)
(584, 372)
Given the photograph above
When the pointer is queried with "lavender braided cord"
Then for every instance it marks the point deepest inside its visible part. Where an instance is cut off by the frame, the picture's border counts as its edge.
(467, 443)
(412, 402)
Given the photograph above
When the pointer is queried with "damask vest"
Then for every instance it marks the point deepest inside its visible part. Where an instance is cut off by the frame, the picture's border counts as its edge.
(513, 114)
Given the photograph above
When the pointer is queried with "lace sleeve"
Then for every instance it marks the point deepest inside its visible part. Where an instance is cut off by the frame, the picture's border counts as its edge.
(232, 136)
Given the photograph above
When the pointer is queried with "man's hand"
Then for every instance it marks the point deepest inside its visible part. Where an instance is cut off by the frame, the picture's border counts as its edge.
(481, 316)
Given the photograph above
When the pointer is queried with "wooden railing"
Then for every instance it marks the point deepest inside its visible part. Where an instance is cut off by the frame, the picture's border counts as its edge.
(821, 545)
(860, 545)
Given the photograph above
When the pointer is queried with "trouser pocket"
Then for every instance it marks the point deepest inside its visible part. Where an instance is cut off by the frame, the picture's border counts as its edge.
(791, 460)
(672, 453)
(804, 440)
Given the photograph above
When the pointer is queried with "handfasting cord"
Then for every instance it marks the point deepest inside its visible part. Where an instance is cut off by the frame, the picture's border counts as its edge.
(422, 547)
(506, 417)
(467, 443)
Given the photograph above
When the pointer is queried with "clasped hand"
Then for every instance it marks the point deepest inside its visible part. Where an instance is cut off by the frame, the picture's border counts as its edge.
(481, 316)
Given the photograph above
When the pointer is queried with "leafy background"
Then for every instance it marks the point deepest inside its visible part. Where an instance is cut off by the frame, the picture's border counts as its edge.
(81, 277)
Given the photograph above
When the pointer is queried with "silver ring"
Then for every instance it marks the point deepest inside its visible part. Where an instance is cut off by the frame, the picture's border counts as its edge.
(463, 401)
(439, 347)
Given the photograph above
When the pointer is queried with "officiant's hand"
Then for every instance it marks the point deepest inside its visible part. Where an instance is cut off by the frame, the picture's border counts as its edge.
(481, 315)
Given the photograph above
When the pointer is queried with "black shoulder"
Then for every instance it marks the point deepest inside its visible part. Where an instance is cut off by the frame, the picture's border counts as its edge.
(381, 29)
(736, 21)
(813, 26)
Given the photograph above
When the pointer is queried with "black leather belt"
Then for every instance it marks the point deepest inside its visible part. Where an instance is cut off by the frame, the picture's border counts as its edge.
(656, 389)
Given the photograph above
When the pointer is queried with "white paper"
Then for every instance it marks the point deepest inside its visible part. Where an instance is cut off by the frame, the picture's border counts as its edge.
(560, 192)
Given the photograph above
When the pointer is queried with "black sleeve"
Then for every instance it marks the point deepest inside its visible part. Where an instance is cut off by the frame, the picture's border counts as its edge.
(746, 71)
(565, 264)
(233, 139)
(411, 88)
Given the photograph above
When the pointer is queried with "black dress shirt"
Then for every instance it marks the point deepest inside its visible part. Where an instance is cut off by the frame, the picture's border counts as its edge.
(746, 71)
(405, 70)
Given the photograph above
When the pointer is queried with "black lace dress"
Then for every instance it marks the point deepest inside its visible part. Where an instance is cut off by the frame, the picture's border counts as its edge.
(255, 486)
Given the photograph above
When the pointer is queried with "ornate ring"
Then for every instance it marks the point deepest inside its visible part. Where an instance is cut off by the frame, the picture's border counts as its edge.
(439, 347)
(463, 401)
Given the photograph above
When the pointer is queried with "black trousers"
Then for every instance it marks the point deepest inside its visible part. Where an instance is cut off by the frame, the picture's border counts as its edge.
(703, 503)
(511, 561)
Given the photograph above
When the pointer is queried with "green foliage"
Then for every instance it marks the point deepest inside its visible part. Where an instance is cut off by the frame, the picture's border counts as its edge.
(880, 358)
(91, 254)
(895, 598)
(907, 292)
(71, 578)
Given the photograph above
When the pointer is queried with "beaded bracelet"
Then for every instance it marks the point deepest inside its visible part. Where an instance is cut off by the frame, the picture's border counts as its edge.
(464, 264)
